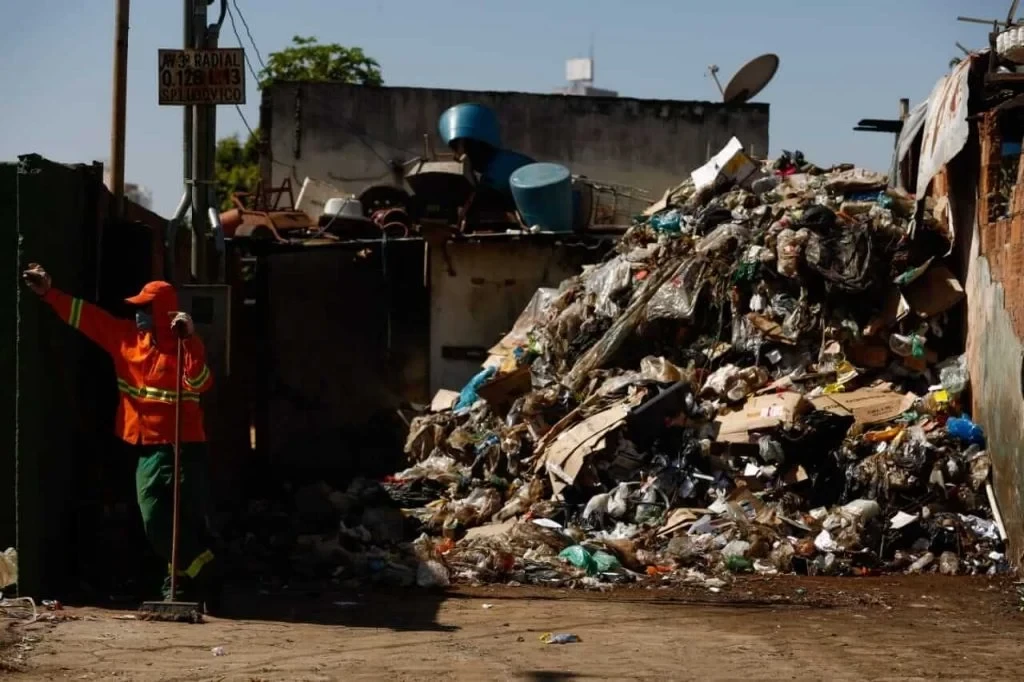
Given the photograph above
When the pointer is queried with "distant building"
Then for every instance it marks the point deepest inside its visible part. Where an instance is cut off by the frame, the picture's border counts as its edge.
(140, 194)
(580, 74)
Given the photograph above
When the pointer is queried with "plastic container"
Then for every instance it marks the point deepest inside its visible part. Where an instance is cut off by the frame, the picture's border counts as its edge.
(470, 122)
(543, 195)
(501, 167)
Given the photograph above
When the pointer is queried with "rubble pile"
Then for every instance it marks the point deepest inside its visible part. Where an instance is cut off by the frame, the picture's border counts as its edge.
(766, 376)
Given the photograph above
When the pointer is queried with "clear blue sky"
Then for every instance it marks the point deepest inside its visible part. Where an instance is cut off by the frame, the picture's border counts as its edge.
(841, 61)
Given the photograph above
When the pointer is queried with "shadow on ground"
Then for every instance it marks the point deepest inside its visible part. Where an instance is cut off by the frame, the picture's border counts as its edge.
(399, 611)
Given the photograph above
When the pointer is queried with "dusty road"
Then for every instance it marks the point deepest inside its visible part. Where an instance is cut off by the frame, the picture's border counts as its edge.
(792, 629)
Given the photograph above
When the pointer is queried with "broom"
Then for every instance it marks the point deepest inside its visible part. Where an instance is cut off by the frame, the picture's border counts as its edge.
(172, 610)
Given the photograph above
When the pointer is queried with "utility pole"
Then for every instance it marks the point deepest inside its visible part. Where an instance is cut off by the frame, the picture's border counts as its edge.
(199, 124)
(204, 148)
(190, 40)
(119, 109)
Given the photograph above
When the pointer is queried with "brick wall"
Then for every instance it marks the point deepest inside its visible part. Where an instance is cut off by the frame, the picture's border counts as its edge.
(1001, 239)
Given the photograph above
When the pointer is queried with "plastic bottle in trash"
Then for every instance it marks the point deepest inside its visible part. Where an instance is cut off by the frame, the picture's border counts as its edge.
(922, 563)
(954, 378)
(963, 428)
(907, 345)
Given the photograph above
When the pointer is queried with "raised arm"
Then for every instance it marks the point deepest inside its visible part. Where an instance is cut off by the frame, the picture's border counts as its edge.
(97, 324)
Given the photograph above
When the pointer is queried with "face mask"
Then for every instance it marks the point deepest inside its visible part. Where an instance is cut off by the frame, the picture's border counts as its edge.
(144, 321)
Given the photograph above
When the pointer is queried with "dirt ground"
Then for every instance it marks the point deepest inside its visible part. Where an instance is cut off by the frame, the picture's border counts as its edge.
(783, 628)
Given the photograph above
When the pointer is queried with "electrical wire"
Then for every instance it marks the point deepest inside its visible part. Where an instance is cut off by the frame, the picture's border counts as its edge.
(241, 115)
(234, 29)
(249, 33)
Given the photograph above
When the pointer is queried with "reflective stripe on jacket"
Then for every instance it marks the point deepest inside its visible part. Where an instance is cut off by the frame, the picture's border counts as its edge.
(146, 367)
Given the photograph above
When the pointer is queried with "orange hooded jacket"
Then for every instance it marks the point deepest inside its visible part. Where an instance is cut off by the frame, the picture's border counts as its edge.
(146, 365)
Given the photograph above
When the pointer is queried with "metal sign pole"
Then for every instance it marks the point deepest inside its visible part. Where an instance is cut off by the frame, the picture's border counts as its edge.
(200, 150)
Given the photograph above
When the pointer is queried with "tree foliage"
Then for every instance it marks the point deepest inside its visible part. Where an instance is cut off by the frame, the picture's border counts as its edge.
(307, 60)
(237, 167)
(237, 164)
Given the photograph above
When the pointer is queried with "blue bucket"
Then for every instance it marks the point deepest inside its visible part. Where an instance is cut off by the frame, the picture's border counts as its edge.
(543, 194)
(470, 122)
(500, 169)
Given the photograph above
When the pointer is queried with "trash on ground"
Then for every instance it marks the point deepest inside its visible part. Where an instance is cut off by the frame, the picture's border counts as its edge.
(560, 638)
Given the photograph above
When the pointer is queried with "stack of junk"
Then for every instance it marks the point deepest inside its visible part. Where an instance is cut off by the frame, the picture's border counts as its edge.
(475, 187)
(766, 376)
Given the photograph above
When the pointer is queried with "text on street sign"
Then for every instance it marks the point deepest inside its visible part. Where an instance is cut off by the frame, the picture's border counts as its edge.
(188, 77)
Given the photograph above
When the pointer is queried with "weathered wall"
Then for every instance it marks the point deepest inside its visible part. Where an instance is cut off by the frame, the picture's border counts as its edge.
(995, 296)
(347, 135)
(478, 291)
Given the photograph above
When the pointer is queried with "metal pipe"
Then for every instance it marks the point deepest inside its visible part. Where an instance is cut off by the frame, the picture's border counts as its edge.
(183, 205)
(171, 240)
(119, 109)
(200, 142)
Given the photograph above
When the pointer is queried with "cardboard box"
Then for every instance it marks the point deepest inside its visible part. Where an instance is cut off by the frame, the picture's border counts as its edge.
(934, 292)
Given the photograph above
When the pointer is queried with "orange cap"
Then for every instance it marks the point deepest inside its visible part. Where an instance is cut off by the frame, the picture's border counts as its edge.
(150, 292)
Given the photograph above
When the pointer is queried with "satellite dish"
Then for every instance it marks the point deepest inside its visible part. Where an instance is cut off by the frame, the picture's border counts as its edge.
(751, 79)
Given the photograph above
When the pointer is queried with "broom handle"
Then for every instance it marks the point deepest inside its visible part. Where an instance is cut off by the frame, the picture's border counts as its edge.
(179, 372)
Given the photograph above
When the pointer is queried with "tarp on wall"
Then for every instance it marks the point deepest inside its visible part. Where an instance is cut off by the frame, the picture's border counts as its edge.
(945, 125)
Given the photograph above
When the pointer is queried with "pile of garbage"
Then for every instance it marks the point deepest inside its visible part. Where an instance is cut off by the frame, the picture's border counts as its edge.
(766, 376)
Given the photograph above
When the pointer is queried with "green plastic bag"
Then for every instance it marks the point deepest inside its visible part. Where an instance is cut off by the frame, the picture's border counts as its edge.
(579, 557)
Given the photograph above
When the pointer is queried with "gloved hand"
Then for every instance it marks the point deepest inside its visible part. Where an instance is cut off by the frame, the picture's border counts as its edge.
(182, 325)
(37, 279)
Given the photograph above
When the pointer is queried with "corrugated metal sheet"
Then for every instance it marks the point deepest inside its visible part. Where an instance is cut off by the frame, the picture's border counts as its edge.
(50, 366)
(8, 363)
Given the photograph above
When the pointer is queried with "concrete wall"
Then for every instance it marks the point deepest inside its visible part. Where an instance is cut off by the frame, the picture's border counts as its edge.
(347, 135)
(479, 289)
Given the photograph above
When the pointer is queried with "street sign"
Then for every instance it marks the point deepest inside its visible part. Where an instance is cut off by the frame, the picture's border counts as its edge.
(189, 77)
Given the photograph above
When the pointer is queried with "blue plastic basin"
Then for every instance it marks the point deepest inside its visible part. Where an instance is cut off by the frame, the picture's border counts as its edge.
(500, 169)
(543, 195)
(470, 122)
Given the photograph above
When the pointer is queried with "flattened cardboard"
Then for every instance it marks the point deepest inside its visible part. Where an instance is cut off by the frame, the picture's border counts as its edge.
(503, 389)
(567, 455)
(677, 518)
(490, 530)
(759, 413)
(871, 405)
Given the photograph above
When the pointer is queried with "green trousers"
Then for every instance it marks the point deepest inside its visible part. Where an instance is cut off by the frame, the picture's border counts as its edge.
(154, 487)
